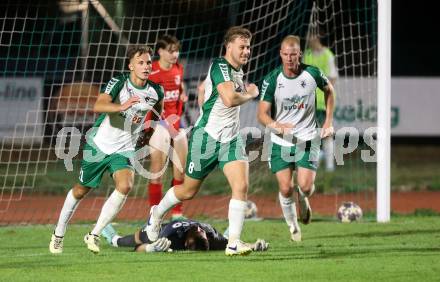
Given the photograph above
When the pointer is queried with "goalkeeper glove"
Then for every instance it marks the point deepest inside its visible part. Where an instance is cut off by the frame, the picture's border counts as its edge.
(260, 246)
(160, 245)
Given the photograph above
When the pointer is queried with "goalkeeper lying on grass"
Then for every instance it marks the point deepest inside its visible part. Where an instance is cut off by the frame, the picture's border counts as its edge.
(177, 235)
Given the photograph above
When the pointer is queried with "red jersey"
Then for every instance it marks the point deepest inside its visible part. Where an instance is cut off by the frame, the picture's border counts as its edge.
(171, 80)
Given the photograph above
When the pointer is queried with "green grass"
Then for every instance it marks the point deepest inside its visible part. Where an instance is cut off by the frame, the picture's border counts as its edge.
(407, 249)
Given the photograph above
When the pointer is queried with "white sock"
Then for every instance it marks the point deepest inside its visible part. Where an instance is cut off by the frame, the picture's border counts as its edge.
(69, 207)
(109, 210)
(288, 207)
(167, 203)
(115, 240)
(236, 214)
(329, 153)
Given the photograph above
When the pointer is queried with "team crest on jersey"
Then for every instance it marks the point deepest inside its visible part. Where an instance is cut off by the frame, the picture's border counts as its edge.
(238, 81)
(177, 79)
(295, 102)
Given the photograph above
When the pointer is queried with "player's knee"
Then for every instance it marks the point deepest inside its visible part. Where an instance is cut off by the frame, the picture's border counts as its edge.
(156, 180)
(306, 185)
(79, 191)
(286, 190)
(124, 188)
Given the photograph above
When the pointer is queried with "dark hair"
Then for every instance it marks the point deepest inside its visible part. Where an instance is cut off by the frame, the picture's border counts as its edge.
(141, 49)
(167, 40)
(236, 31)
(195, 241)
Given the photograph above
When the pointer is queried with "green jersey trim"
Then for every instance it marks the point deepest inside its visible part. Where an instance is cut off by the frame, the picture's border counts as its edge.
(137, 87)
(318, 76)
(268, 86)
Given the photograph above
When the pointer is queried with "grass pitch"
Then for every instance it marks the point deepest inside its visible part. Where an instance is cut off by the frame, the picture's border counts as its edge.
(407, 249)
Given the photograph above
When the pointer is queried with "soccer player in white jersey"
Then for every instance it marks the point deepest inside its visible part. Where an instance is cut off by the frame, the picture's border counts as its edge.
(123, 103)
(215, 140)
(287, 109)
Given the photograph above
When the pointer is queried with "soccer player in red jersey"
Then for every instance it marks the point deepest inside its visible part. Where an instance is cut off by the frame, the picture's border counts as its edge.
(168, 72)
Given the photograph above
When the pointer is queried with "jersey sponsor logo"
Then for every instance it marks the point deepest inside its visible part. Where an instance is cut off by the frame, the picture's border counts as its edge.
(224, 70)
(172, 95)
(110, 85)
(295, 102)
(280, 85)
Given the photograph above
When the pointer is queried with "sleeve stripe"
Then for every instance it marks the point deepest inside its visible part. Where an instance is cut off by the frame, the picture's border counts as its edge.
(110, 85)
(225, 73)
(263, 89)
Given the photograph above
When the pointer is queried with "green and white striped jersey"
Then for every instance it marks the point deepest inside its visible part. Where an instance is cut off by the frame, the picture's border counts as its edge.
(293, 100)
(118, 132)
(220, 122)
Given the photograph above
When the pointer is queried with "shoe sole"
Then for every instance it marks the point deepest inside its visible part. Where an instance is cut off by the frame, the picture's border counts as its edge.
(55, 252)
(147, 229)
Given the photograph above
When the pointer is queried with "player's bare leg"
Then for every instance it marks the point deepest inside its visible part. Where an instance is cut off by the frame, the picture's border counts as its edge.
(287, 202)
(72, 201)
(179, 153)
(237, 174)
(174, 196)
(159, 146)
(124, 182)
(306, 187)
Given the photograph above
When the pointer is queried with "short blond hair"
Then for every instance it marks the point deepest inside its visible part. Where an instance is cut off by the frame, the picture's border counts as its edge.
(236, 31)
(291, 40)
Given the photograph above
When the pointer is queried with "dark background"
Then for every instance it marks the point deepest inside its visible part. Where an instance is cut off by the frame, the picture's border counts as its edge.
(415, 38)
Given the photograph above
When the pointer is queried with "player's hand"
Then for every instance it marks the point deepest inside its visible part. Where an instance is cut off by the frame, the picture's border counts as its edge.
(130, 102)
(260, 246)
(252, 90)
(282, 128)
(160, 245)
(327, 130)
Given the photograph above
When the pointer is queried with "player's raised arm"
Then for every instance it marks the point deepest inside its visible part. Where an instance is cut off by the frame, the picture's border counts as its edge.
(231, 98)
(104, 104)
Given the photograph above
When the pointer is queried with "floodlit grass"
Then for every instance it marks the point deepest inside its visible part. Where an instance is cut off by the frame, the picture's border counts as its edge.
(407, 249)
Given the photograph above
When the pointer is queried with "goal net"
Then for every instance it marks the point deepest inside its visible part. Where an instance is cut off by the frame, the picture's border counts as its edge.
(55, 56)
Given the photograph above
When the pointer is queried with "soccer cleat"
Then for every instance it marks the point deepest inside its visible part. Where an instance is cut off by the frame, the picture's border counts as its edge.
(295, 233)
(92, 242)
(238, 248)
(56, 244)
(153, 225)
(109, 232)
(305, 211)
